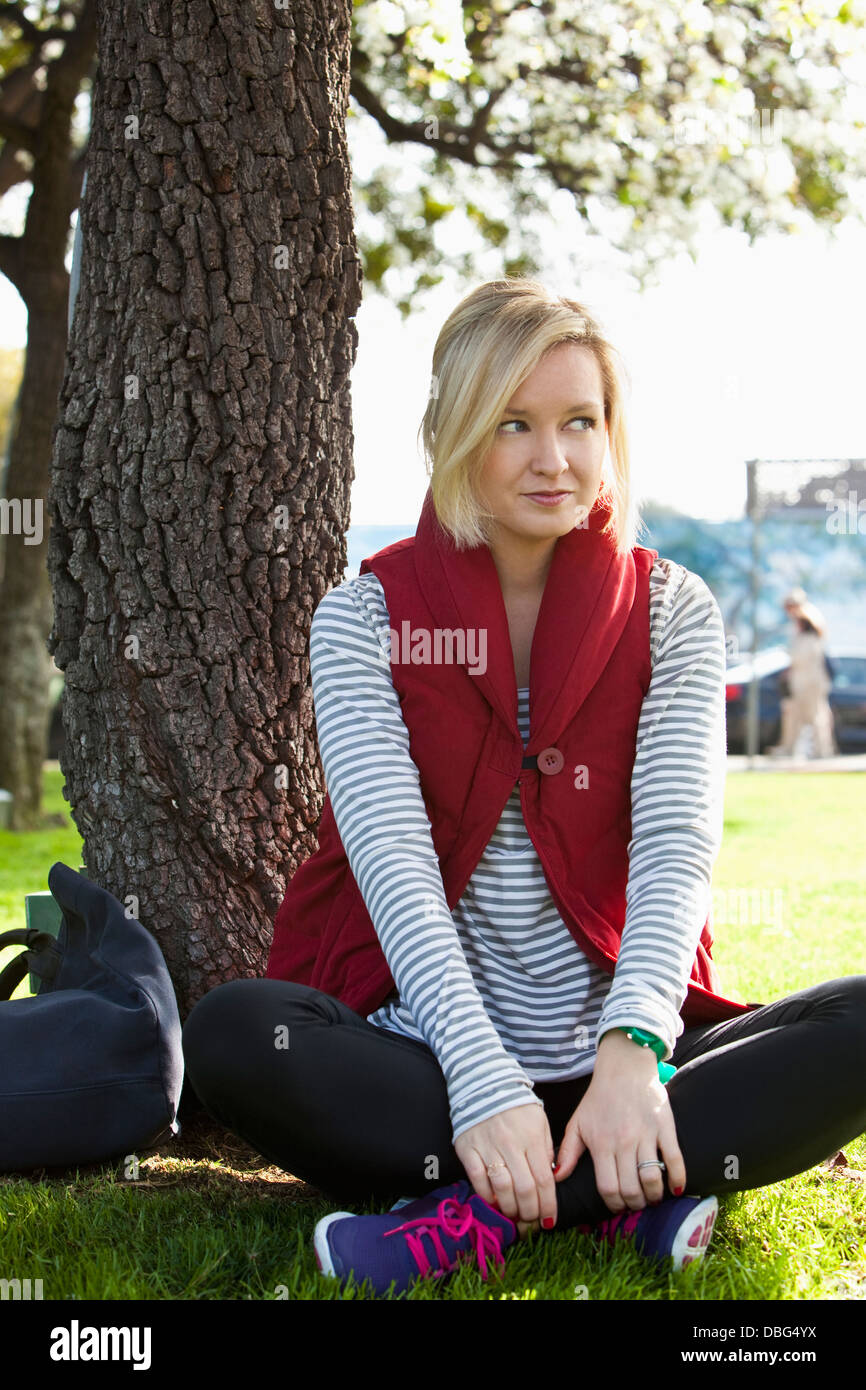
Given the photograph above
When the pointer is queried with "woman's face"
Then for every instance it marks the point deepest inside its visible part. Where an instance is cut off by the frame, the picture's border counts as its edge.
(550, 442)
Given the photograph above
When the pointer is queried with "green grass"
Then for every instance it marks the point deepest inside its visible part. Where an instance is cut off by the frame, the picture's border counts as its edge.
(208, 1219)
(26, 859)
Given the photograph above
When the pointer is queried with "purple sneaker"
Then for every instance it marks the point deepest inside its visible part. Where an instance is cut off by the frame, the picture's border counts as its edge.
(427, 1237)
(678, 1228)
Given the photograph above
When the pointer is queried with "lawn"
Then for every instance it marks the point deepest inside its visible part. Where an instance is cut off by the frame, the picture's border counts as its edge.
(206, 1219)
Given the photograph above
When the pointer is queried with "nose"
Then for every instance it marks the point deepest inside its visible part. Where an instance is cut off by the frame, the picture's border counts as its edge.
(549, 458)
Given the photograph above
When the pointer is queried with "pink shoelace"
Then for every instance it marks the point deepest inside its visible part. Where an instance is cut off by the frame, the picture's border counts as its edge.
(622, 1224)
(456, 1221)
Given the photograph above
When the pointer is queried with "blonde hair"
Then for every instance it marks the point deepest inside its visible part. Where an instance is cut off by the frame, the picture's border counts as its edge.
(487, 346)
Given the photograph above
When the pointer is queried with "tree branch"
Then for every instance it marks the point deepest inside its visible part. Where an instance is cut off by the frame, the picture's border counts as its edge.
(461, 146)
(31, 32)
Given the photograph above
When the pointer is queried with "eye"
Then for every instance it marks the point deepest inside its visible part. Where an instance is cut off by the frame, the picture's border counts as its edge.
(588, 420)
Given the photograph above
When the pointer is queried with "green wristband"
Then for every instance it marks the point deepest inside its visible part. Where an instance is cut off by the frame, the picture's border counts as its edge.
(645, 1039)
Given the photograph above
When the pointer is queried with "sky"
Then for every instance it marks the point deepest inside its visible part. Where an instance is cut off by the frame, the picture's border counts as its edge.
(750, 352)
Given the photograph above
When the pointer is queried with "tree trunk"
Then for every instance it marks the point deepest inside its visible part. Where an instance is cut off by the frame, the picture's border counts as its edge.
(25, 593)
(34, 262)
(207, 388)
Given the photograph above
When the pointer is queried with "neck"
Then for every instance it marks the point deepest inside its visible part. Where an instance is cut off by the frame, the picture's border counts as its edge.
(522, 566)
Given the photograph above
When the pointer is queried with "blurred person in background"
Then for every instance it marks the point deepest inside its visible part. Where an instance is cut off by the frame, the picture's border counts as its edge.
(809, 681)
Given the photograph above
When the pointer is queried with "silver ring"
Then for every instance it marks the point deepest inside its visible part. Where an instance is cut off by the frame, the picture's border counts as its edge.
(652, 1163)
(495, 1165)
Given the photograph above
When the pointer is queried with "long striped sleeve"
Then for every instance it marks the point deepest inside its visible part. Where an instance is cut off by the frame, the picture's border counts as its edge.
(677, 806)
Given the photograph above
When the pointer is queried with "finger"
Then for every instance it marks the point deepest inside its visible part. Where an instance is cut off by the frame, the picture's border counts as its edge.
(525, 1188)
(630, 1185)
(476, 1171)
(607, 1180)
(539, 1166)
(571, 1150)
(501, 1181)
(652, 1179)
(672, 1155)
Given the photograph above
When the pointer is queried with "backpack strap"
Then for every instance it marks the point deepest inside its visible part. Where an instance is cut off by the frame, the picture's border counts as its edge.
(41, 957)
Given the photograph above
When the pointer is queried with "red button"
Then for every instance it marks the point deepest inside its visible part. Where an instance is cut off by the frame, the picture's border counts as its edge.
(550, 760)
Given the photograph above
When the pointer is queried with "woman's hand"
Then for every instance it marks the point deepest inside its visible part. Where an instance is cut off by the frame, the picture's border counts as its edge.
(520, 1140)
(624, 1118)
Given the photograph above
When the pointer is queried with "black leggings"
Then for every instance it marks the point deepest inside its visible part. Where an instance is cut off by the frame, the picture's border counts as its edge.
(362, 1113)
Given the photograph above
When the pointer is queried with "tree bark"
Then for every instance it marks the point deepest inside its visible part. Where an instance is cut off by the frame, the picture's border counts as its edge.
(207, 388)
(35, 264)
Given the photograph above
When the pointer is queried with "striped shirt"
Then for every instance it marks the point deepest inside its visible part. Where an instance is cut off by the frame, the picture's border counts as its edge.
(499, 989)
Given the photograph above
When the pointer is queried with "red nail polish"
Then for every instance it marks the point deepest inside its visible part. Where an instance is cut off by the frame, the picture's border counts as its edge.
(547, 1223)
(557, 1167)
(678, 1191)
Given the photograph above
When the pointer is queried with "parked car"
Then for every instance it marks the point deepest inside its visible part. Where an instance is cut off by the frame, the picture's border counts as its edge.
(848, 701)
(847, 698)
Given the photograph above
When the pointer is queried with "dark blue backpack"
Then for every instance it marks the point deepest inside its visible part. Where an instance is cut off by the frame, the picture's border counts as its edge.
(91, 1067)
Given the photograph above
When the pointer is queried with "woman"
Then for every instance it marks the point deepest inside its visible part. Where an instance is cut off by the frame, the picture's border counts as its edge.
(480, 980)
(809, 683)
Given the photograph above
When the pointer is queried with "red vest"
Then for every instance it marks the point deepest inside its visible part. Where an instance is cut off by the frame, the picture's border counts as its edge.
(590, 670)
